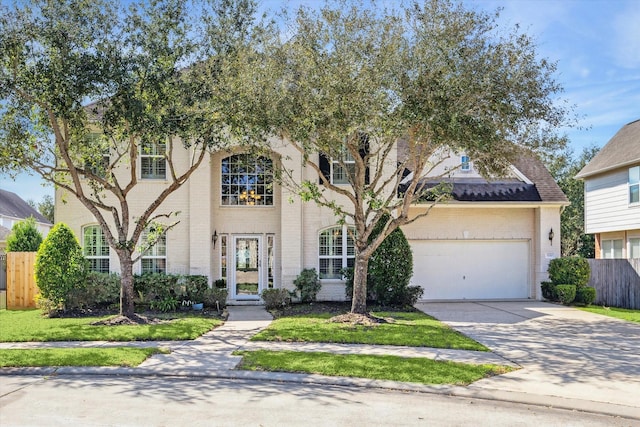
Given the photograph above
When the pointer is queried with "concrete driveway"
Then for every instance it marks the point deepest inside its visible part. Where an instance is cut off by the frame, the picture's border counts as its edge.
(564, 352)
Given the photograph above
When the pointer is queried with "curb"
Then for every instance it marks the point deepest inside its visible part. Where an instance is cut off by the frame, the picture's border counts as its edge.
(556, 402)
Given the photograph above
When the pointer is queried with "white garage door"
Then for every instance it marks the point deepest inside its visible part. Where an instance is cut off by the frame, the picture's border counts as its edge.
(478, 269)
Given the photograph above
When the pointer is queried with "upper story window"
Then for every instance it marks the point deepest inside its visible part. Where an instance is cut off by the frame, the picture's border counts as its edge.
(336, 250)
(337, 170)
(98, 163)
(154, 260)
(153, 164)
(634, 184)
(247, 180)
(465, 164)
(95, 248)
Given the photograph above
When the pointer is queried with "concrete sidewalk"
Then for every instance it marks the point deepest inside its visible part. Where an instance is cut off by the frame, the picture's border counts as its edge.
(210, 356)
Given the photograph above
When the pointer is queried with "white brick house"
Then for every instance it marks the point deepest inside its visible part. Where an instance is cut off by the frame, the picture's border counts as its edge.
(491, 242)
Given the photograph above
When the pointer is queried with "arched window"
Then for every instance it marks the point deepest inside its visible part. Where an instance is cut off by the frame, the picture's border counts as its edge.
(247, 180)
(95, 248)
(336, 251)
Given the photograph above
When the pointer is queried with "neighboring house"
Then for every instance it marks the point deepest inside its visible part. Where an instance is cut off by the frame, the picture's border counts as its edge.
(612, 195)
(13, 209)
(492, 241)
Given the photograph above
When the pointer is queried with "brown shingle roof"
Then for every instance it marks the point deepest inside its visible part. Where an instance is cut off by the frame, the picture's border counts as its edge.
(533, 168)
(13, 206)
(621, 150)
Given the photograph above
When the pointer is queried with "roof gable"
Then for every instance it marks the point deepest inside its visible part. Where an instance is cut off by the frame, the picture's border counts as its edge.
(621, 150)
(12, 205)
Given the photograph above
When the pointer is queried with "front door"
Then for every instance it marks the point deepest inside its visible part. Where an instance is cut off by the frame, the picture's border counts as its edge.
(247, 271)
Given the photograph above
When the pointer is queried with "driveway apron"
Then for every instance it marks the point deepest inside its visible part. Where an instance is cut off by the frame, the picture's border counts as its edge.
(564, 352)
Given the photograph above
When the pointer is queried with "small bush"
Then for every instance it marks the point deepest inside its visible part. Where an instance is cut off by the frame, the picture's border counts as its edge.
(548, 291)
(569, 271)
(409, 296)
(275, 298)
(220, 284)
(308, 284)
(158, 286)
(60, 266)
(165, 304)
(100, 290)
(585, 295)
(195, 288)
(215, 295)
(48, 307)
(24, 236)
(566, 293)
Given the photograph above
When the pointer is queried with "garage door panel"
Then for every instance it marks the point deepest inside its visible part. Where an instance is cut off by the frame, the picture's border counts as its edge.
(471, 269)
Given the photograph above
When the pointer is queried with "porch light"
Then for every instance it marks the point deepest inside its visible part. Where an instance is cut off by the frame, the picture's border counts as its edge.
(214, 238)
(551, 236)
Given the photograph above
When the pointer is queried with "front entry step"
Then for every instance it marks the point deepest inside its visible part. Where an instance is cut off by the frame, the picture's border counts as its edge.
(244, 302)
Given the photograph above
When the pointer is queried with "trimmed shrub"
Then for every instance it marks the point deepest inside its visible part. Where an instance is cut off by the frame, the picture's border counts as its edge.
(220, 284)
(585, 295)
(154, 287)
(24, 236)
(391, 268)
(569, 271)
(215, 297)
(566, 293)
(275, 298)
(548, 291)
(308, 284)
(100, 290)
(60, 266)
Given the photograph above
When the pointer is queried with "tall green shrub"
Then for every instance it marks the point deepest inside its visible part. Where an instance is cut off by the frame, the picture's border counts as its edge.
(569, 271)
(390, 268)
(60, 265)
(24, 236)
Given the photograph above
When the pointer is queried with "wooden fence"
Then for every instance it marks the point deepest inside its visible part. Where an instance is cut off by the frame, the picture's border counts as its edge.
(21, 281)
(617, 282)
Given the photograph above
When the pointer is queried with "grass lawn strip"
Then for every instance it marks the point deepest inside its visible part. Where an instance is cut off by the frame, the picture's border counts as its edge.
(30, 325)
(113, 356)
(393, 368)
(405, 328)
(618, 313)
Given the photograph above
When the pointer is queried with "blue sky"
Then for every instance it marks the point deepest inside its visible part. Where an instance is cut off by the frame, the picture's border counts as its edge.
(596, 44)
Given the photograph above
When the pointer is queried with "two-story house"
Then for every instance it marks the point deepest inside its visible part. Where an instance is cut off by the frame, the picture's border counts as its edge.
(612, 195)
(492, 241)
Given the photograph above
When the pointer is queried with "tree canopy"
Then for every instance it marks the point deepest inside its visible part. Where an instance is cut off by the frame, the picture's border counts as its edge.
(383, 92)
(88, 88)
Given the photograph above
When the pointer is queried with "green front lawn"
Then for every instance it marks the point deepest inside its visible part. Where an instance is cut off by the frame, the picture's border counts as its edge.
(619, 313)
(30, 325)
(394, 368)
(404, 328)
(114, 356)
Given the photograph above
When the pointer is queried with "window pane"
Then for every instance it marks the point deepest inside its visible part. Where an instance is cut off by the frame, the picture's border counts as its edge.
(634, 248)
(634, 175)
(617, 248)
(634, 193)
(330, 268)
(247, 180)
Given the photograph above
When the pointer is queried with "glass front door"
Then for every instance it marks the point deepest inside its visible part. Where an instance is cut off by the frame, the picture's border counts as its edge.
(247, 274)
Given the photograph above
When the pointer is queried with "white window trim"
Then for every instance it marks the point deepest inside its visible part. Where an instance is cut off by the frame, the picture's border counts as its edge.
(630, 185)
(152, 249)
(145, 155)
(336, 164)
(344, 257)
(468, 167)
(96, 257)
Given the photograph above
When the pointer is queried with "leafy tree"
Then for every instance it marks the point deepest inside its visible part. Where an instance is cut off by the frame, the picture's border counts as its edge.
(564, 168)
(60, 266)
(88, 88)
(24, 236)
(386, 91)
(46, 207)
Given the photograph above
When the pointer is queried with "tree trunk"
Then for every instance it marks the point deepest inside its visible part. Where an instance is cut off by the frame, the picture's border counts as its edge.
(126, 284)
(359, 301)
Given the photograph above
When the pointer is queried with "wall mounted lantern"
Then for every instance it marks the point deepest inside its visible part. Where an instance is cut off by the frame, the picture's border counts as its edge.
(551, 236)
(214, 238)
